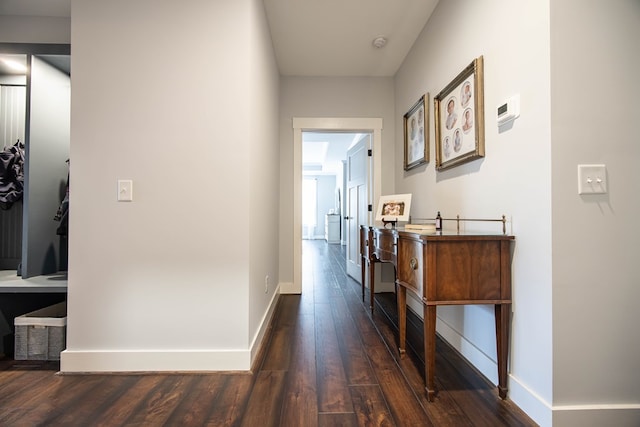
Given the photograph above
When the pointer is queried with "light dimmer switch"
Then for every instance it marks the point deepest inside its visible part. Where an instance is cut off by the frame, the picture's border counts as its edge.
(592, 179)
(125, 190)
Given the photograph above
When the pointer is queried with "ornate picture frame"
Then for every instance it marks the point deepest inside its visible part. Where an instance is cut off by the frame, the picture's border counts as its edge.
(459, 116)
(416, 134)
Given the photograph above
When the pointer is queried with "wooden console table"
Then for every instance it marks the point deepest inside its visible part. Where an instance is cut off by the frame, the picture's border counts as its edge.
(444, 269)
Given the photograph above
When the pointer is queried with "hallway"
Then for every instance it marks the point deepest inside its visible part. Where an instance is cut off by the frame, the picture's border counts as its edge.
(327, 362)
(359, 379)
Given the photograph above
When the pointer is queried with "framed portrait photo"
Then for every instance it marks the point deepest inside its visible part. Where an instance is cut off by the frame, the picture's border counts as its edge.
(459, 114)
(416, 134)
(395, 207)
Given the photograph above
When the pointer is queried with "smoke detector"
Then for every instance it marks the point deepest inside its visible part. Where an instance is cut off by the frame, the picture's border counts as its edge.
(379, 42)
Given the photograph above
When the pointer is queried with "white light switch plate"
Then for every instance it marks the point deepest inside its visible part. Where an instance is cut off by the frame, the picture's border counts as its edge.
(592, 179)
(125, 190)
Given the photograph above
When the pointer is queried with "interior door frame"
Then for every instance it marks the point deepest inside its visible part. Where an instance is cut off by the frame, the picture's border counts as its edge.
(30, 50)
(327, 124)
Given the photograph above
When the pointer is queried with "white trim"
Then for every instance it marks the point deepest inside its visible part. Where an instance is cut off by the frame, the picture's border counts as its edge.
(287, 288)
(534, 405)
(530, 402)
(74, 361)
(264, 325)
(598, 407)
(83, 361)
(596, 415)
(300, 124)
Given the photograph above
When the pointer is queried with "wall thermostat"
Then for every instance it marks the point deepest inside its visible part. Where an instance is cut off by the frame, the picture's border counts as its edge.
(509, 110)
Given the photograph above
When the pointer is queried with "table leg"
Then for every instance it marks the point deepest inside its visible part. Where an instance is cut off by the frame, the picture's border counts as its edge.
(429, 313)
(362, 262)
(401, 294)
(503, 317)
(372, 286)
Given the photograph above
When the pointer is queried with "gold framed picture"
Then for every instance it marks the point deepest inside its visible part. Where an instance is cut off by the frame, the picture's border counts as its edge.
(459, 115)
(416, 134)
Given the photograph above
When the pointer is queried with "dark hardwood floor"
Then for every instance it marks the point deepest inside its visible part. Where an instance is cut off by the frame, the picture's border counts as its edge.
(328, 362)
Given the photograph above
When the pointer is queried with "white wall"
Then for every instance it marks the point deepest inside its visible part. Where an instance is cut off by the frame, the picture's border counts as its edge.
(165, 282)
(596, 274)
(264, 168)
(514, 177)
(328, 97)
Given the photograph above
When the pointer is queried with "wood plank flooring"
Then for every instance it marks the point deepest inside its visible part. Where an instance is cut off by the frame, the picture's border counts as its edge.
(328, 362)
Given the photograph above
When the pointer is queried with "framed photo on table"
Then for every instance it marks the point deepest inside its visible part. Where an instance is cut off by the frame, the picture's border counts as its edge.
(416, 134)
(459, 114)
(395, 207)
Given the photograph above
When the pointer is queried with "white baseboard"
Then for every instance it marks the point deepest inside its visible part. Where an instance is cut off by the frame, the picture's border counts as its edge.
(288, 288)
(619, 415)
(533, 405)
(80, 361)
(264, 325)
(530, 402)
(544, 414)
(83, 361)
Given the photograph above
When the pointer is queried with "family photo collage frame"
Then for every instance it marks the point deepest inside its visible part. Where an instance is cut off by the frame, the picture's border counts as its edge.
(459, 122)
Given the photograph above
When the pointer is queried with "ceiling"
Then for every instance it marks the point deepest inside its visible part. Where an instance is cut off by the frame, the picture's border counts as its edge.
(7, 69)
(323, 152)
(335, 37)
(61, 62)
(316, 38)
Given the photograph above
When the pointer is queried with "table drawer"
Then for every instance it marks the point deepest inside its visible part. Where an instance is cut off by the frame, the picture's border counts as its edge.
(411, 268)
(385, 246)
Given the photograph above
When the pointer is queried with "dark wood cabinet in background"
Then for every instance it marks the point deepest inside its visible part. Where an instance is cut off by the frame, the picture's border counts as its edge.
(444, 269)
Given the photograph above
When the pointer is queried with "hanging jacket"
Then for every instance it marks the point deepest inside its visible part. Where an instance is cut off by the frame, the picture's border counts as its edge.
(11, 175)
(62, 215)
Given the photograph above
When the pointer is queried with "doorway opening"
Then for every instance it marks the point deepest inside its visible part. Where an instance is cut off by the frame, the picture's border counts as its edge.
(324, 164)
(35, 132)
(372, 128)
(309, 208)
(35, 95)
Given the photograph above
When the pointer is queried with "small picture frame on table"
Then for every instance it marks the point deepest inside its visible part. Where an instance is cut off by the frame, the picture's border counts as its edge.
(394, 208)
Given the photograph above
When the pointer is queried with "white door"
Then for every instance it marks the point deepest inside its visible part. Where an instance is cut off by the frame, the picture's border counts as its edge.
(358, 170)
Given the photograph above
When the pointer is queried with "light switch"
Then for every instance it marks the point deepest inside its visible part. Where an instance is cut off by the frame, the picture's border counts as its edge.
(592, 179)
(125, 190)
